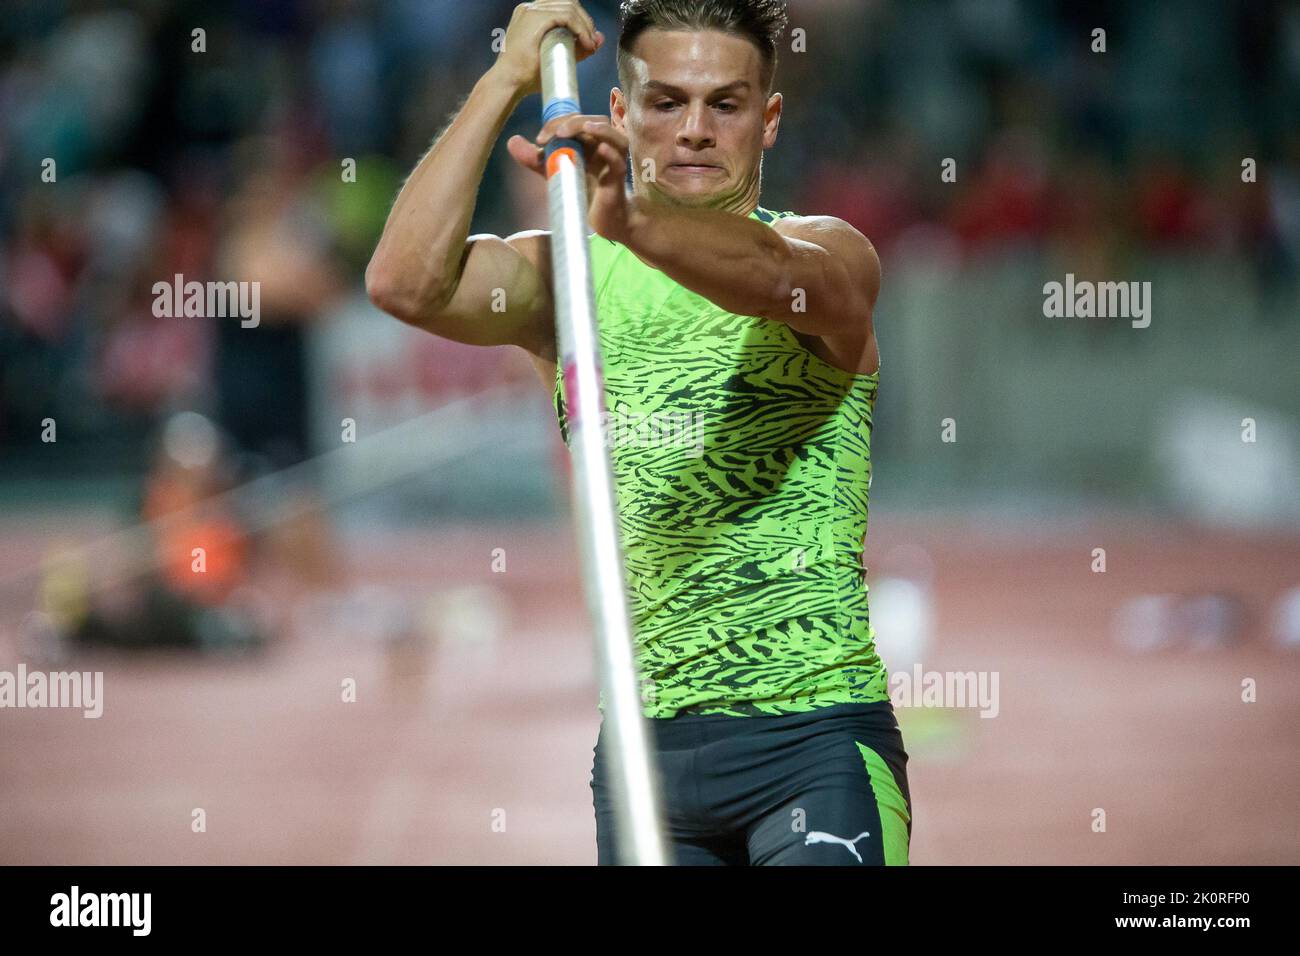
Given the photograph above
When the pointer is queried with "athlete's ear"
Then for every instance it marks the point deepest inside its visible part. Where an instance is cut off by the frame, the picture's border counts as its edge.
(771, 120)
(617, 109)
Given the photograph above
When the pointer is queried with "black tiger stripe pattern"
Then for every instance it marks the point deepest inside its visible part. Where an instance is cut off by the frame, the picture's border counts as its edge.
(742, 465)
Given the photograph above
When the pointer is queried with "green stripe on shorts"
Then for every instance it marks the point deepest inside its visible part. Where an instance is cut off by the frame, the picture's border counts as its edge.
(891, 806)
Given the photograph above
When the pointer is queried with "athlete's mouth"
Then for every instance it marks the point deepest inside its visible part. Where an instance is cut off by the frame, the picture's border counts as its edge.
(694, 167)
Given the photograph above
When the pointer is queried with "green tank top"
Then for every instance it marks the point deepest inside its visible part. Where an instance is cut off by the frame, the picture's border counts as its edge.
(742, 464)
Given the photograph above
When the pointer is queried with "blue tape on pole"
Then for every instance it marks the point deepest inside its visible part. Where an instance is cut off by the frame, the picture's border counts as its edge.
(560, 106)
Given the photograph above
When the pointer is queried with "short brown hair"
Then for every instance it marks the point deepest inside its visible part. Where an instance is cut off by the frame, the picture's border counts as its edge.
(759, 21)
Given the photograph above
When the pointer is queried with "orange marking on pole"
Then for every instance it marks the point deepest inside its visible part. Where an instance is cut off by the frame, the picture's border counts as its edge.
(552, 161)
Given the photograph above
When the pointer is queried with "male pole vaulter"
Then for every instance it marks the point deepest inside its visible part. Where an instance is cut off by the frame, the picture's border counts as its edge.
(770, 716)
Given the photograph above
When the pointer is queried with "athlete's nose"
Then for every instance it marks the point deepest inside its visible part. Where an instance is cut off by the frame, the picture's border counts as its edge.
(696, 130)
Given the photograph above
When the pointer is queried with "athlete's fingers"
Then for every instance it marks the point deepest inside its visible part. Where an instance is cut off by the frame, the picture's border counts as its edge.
(591, 141)
(596, 38)
(577, 21)
(596, 163)
(587, 44)
(564, 126)
(533, 158)
(605, 131)
(602, 155)
(593, 36)
(591, 24)
(529, 23)
(600, 151)
(606, 170)
(609, 157)
(591, 131)
(526, 154)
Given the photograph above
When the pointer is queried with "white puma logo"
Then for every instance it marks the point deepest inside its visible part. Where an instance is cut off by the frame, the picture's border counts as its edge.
(817, 836)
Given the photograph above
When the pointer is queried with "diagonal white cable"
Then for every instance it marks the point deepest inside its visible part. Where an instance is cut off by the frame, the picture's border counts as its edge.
(431, 440)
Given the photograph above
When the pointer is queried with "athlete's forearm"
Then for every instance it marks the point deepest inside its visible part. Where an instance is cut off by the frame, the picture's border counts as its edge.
(417, 263)
(735, 262)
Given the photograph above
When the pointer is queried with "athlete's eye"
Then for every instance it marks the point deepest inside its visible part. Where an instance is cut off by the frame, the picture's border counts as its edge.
(726, 107)
(664, 105)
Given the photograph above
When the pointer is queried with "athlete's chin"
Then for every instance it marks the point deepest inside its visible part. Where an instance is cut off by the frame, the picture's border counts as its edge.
(695, 195)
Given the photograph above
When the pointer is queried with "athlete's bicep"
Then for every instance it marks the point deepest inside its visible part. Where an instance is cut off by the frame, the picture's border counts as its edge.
(502, 296)
(545, 370)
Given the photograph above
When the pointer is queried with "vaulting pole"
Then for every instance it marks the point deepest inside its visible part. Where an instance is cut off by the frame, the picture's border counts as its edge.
(634, 779)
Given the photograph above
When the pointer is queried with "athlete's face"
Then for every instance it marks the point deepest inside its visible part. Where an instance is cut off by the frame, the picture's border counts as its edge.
(696, 118)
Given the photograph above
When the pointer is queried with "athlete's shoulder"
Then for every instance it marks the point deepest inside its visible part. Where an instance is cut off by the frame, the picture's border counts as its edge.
(797, 224)
(844, 242)
(829, 232)
(807, 221)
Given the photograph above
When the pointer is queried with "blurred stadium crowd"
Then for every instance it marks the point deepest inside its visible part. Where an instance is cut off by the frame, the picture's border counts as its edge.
(226, 164)
(133, 149)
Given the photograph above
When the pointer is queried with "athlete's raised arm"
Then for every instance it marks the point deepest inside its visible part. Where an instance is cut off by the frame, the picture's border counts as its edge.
(427, 271)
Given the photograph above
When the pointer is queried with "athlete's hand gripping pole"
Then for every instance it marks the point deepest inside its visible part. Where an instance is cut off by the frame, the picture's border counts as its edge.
(635, 780)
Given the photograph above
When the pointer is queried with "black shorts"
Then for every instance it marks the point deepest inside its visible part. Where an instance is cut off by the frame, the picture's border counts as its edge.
(823, 788)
